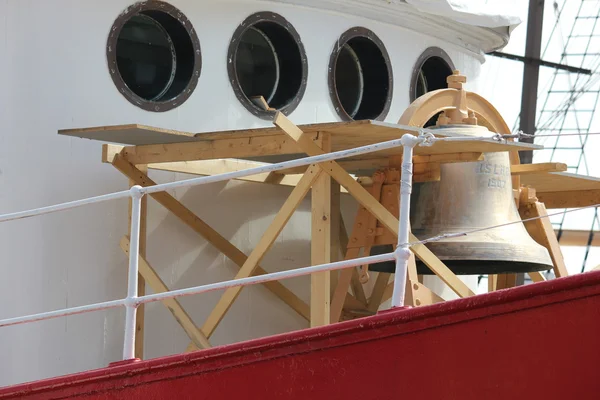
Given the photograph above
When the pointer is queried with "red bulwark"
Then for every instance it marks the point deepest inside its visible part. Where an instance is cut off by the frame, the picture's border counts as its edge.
(541, 341)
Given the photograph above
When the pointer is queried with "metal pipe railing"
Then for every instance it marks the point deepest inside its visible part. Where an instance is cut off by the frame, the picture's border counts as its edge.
(132, 301)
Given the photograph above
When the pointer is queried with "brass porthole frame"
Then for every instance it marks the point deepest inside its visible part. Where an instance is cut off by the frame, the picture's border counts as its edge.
(249, 22)
(111, 54)
(359, 32)
(428, 53)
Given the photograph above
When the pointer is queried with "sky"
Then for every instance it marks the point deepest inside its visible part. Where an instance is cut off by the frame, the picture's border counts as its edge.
(503, 85)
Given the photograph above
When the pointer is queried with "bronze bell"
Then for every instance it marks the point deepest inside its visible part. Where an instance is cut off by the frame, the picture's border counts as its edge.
(470, 196)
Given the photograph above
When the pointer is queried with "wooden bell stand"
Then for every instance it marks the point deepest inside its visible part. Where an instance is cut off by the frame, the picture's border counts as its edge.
(454, 106)
(145, 148)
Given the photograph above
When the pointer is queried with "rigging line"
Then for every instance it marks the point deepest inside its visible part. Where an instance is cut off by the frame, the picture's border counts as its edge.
(452, 235)
(520, 135)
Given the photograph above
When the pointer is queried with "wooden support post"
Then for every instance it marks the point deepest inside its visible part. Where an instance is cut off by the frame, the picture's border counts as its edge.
(506, 281)
(212, 236)
(541, 231)
(140, 312)
(336, 225)
(197, 337)
(265, 243)
(321, 243)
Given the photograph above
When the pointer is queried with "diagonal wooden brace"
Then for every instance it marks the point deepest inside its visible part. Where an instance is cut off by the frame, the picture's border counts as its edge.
(212, 236)
(265, 243)
(541, 231)
(305, 143)
(197, 337)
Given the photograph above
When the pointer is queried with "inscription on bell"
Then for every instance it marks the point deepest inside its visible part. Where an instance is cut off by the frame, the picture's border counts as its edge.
(498, 172)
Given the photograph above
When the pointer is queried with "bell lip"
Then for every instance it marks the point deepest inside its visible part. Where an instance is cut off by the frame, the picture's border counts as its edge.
(486, 267)
(473, 267)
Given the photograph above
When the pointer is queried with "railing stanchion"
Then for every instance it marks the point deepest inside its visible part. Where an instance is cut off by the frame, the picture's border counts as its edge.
(131, 302)
(402, 252)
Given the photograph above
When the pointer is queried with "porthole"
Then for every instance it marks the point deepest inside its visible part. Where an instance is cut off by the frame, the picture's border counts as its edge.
(154, 56)
(430, 72)
(360, 76)
(266, 58)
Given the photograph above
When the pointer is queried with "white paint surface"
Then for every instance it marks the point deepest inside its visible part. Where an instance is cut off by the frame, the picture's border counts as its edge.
(53, 76)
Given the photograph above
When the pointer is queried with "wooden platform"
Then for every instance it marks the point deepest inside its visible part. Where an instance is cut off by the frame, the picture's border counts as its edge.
(563, 189)
(344, 135)
(167, 149)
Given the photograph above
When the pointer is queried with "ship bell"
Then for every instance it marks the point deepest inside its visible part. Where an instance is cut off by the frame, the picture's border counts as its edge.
(471, 196)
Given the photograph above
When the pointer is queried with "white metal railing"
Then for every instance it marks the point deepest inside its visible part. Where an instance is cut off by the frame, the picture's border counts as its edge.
(132, 301)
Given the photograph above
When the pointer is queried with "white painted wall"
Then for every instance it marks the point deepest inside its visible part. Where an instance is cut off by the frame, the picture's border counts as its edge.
(53, 75)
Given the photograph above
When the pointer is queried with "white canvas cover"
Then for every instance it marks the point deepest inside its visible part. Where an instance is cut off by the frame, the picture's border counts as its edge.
(484, 13)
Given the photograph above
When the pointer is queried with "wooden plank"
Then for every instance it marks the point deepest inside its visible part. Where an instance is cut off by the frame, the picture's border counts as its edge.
(265, 243)
(570, 199)
(347, 134)
(158, 286)
(132, 134)
(560, 182)
(273, 141)
(379, 211)
(541, 231)
(526, 169)
(578, 238)
(212, 236)
(320, 290)
(209, 150)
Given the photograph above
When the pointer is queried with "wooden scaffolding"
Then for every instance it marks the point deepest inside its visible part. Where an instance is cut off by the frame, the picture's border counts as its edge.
(334, 296)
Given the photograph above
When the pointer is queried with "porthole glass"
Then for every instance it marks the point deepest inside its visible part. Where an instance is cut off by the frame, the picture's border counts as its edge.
(430, 73)
(360, 76)
(266, 59)
(154, 56)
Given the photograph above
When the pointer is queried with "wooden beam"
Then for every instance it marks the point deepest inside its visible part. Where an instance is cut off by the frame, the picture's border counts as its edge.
(422, 294)
(569, 199)
(212, 236)
(213, 167)
(380, 212)
(321, 242)
(210, 149)
(376, 298)
(158, 286)
(528, 169)
(336, 221)
(541, 231)
(382, 162)
(536, 276)
(265, 243)
(578, 238)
